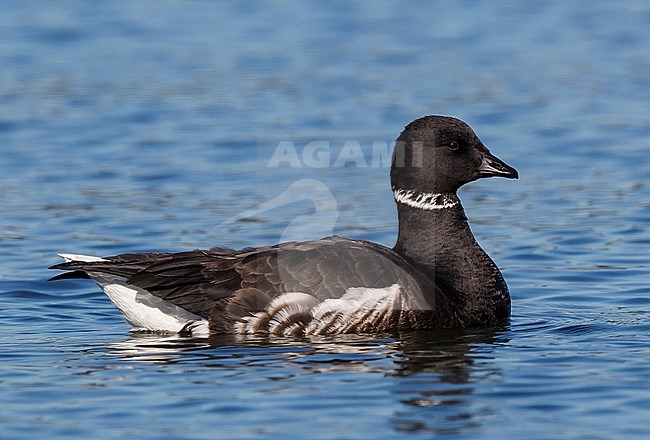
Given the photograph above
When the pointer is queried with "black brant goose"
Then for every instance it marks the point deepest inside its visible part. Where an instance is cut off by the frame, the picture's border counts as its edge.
(436, 276)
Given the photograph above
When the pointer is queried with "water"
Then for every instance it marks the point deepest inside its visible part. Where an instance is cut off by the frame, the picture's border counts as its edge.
(133, 126)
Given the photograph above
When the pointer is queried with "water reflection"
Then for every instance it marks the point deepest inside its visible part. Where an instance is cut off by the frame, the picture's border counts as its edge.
(152, 347)
(431, 378)
(439, 376)
(415, 352)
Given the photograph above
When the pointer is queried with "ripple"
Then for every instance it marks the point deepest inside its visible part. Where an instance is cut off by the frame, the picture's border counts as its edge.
(129, 130)
(582, 329)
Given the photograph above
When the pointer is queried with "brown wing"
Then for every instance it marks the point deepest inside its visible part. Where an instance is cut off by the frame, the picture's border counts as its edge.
(200, 280)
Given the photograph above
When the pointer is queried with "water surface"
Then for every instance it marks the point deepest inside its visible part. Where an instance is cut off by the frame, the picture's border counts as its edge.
(136, 126)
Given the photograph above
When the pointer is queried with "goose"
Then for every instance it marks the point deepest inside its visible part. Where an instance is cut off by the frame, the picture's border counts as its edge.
(436, 276)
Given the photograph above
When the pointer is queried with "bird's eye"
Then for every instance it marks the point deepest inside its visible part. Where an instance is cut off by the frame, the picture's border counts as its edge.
(453, 145)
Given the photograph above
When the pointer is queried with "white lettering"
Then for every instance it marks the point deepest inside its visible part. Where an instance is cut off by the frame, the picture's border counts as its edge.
(316, 154)
(285, 152)
(380, 154)
(351, 152)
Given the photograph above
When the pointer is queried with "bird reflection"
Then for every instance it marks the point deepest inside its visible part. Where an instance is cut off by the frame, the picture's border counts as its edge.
(448, 354)
(432, 376)
(439, 375)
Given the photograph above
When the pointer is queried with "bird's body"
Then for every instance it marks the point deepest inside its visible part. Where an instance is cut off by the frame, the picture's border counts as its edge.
(436, 276)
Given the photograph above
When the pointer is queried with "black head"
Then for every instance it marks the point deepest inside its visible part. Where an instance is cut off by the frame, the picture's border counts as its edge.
(439, 154)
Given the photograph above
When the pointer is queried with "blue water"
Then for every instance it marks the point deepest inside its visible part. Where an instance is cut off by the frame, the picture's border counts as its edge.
(137, 126)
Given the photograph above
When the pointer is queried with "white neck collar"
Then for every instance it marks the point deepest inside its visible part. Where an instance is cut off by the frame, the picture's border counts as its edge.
(426, 201)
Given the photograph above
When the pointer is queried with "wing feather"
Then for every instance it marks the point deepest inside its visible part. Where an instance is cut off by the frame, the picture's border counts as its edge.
(226, 284)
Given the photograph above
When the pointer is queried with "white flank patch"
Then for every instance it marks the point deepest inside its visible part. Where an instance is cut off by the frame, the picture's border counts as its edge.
(427, 201)
(358, 308)
(299, 313)
(288, 312)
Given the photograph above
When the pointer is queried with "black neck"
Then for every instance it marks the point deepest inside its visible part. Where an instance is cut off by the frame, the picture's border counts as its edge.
(441, 243)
